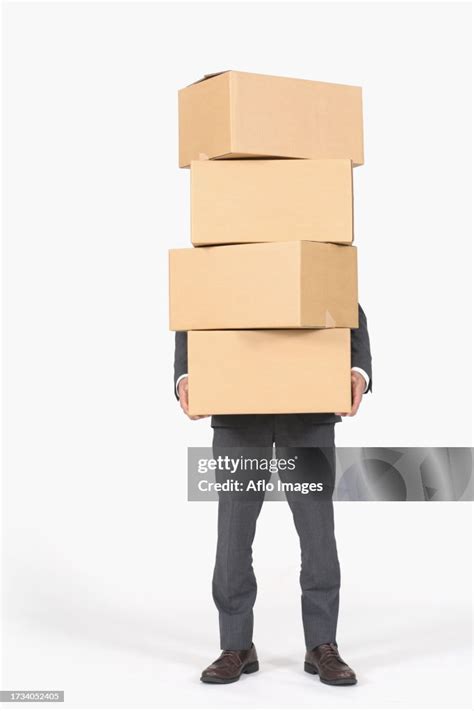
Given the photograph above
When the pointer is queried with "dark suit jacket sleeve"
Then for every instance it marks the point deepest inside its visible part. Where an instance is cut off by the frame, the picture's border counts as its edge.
(180, 355)
(360, 347)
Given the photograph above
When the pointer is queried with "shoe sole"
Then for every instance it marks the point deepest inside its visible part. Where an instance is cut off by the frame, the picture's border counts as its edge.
(248, 669)
(310, 669)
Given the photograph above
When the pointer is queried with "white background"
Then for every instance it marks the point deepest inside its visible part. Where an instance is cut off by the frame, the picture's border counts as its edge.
(107, 567)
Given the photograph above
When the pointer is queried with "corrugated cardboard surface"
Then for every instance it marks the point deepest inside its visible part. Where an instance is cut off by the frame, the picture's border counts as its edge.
(269, 372)
(258, 115)
(204, 119)
(329, 282)
(271, 200)
(267, 285)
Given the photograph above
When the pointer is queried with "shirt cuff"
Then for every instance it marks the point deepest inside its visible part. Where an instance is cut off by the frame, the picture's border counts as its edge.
(364, 375)
(185, 375)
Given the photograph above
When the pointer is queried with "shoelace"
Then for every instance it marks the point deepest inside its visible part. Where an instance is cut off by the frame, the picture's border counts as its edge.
(330, 651)
(230, 654)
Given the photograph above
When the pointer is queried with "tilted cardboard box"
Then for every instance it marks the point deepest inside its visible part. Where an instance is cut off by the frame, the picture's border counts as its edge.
(267, 285)
(236, 114)
(269, 372)
(271, 200)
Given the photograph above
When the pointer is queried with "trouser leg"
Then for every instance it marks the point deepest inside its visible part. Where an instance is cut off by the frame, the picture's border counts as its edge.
(234, 585)
(314, 521)
(320, 572)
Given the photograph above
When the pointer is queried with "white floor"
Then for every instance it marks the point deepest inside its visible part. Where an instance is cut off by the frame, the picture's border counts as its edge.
(404, 623)
(115, 660)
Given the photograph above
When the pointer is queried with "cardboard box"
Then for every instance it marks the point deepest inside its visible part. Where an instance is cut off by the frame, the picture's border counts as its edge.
(238, 114)
(267, 285)
(273, 372)
(271, 200)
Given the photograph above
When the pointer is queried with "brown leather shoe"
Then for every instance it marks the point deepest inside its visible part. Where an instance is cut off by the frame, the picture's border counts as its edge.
(230, 666)
(325, 661)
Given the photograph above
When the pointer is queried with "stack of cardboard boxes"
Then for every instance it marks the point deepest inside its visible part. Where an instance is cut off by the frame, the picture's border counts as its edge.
(268, 293)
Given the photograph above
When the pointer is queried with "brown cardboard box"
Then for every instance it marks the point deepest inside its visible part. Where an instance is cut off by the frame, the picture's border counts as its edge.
(238, 114)
(271, 200)
(267, 285)
(258, 372)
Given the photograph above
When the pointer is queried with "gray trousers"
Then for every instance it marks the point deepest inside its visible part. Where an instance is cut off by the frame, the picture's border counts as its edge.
(234, 584)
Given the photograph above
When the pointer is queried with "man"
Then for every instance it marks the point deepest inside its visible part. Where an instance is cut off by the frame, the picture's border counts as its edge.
(234, 584)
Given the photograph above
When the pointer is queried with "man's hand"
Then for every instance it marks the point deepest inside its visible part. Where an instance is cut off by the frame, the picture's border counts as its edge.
(184, 399)
(358, 386)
